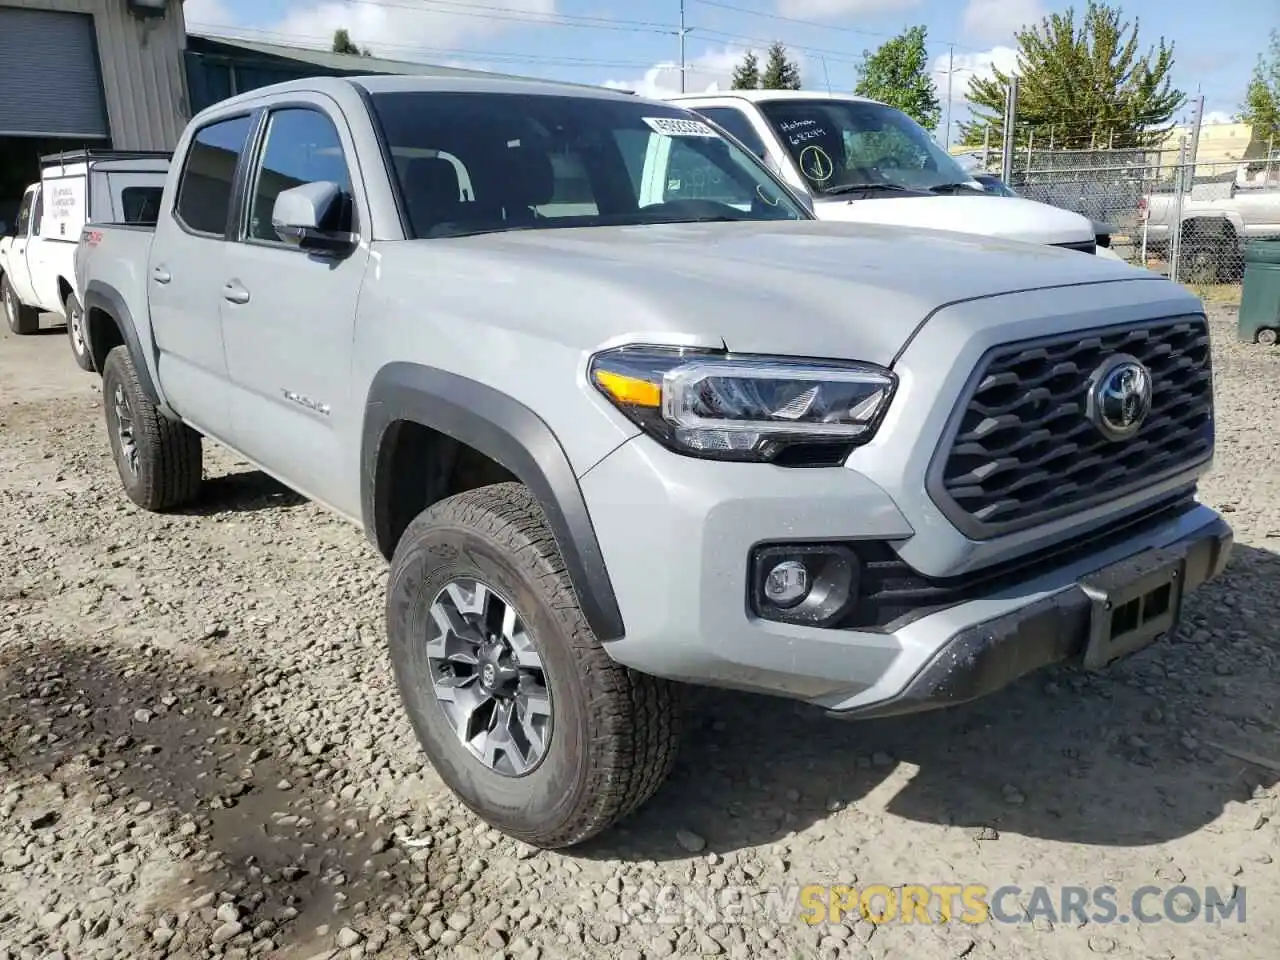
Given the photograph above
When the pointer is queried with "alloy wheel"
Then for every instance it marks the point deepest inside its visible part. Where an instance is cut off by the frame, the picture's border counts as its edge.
(487, 676)
(125, 429)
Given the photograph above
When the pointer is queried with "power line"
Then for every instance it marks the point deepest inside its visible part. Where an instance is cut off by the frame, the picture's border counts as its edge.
(479, 11)
(490, 56)
(814, 23)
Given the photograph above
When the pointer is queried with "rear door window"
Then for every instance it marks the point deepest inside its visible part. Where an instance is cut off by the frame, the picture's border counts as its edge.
(204, 192)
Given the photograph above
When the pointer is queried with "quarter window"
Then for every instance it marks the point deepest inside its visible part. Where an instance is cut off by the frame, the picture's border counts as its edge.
(302, 146)
(204, 194)
(24, 215)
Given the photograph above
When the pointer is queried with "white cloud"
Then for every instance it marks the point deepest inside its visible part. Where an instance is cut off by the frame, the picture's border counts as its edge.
(968, 66)
(207, 13)
(1218, 116)
(707, 73)
(390, 31)
(998, 19)
(833, 9)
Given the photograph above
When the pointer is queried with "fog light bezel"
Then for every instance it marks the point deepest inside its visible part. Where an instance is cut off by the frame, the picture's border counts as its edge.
(834, 583)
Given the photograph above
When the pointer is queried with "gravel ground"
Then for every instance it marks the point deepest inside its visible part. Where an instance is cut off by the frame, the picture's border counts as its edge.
(202, 752)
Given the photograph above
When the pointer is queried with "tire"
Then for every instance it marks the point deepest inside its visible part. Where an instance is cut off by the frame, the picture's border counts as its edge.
(76, 332)
(613, 732)
(159, 460)
(23, 320)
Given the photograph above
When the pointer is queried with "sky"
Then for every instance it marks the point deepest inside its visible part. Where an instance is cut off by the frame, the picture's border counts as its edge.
(635, 45)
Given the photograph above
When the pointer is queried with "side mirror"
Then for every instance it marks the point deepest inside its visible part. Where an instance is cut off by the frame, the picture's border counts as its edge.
(305, 217)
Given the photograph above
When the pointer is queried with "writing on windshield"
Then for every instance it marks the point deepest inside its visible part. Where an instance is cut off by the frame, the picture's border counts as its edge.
(838, 143)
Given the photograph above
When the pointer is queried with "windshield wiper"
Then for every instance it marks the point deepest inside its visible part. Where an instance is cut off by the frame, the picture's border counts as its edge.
(866, 188)
(956, 188)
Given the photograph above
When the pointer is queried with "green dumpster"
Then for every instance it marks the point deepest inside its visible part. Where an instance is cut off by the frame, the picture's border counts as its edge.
(1259, 320)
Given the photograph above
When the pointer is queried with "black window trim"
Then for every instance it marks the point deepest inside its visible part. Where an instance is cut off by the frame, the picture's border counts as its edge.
(253, 114)
(721, 128)
(37, 210)
(238, 231)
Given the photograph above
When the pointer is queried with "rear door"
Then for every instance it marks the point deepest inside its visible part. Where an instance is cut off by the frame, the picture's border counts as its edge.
(187, 271)
(289, 315)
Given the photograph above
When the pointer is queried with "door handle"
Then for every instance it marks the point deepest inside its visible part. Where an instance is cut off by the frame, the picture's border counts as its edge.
(160, 275)
(235, 292)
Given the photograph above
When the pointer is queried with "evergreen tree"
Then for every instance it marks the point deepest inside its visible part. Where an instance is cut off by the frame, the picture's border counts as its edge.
(1087, 81)
(780, 71)
(342, 42)
(746, 75)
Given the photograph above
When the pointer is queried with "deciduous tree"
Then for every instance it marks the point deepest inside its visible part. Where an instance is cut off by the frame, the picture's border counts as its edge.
(898, 74)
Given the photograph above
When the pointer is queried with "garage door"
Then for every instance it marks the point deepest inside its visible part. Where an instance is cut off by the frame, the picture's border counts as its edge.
(49, 75)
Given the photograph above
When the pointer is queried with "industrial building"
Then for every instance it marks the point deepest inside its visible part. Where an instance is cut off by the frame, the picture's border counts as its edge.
(125, 74)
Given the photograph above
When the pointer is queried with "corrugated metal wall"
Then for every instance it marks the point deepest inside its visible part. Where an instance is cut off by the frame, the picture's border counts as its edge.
(143, 75)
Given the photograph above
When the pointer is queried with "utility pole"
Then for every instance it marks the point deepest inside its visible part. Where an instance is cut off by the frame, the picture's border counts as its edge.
(682, 33)
(951, 66)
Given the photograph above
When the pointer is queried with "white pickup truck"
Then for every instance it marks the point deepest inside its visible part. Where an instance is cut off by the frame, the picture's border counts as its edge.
(37, 256)
(1218, 218)
(862, 161)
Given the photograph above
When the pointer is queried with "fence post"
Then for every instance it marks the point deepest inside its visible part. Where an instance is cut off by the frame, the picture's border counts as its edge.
(1175, 225)
(1031, 141)
(1010, 118)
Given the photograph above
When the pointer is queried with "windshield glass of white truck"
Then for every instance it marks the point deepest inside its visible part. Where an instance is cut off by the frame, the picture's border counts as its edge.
(840, 145)
(472, 163)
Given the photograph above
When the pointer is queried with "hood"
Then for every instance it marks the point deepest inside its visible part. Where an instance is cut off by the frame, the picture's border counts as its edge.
(803, 288)
(1012, 218)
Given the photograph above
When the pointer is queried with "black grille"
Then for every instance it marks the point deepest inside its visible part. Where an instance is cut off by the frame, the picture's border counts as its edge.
(1024, 451)
(892, 594)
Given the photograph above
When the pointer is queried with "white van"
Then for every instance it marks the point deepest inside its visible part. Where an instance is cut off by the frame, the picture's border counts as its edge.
(37, 256)
(863, 161)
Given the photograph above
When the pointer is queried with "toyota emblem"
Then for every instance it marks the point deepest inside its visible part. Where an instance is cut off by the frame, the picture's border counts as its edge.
(1119, 397)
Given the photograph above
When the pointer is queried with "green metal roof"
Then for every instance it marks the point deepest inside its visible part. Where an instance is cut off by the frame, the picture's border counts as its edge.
(346, 63)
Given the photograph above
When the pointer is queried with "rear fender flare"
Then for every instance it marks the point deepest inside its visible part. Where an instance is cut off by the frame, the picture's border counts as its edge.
(99, 296)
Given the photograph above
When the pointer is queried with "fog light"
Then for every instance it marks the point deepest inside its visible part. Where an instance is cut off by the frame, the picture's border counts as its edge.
(787, 583)
(812, 584)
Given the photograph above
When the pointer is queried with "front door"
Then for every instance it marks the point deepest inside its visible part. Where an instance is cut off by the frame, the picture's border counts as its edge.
(289, 315)
(19, 273)
(185, 276)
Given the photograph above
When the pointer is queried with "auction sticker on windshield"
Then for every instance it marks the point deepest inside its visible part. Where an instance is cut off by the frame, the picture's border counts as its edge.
(677, 127)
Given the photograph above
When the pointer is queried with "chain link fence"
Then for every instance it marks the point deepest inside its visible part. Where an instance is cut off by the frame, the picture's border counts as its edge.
(1141, 195)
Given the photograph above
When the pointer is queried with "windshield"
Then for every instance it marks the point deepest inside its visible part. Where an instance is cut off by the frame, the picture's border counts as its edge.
(483, 162)
(838, 143)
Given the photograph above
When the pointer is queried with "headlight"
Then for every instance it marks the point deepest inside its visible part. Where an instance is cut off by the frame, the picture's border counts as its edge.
(727, 407)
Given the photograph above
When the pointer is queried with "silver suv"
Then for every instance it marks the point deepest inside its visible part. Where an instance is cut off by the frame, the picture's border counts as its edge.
(622, 415)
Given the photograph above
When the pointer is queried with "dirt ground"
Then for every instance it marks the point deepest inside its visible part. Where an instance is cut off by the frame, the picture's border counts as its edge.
(202, 753)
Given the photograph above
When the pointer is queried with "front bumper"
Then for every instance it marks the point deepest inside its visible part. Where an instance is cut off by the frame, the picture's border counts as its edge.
(984, 657)
(677, 533)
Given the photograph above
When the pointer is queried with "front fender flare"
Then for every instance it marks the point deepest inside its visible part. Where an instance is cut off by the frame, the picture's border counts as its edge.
(507, 432)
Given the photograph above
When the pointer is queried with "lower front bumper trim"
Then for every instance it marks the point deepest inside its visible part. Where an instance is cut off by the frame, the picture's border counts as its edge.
(988, 656)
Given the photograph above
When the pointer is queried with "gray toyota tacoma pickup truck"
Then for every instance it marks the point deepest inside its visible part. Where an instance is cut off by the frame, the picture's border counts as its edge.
(622, 416)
